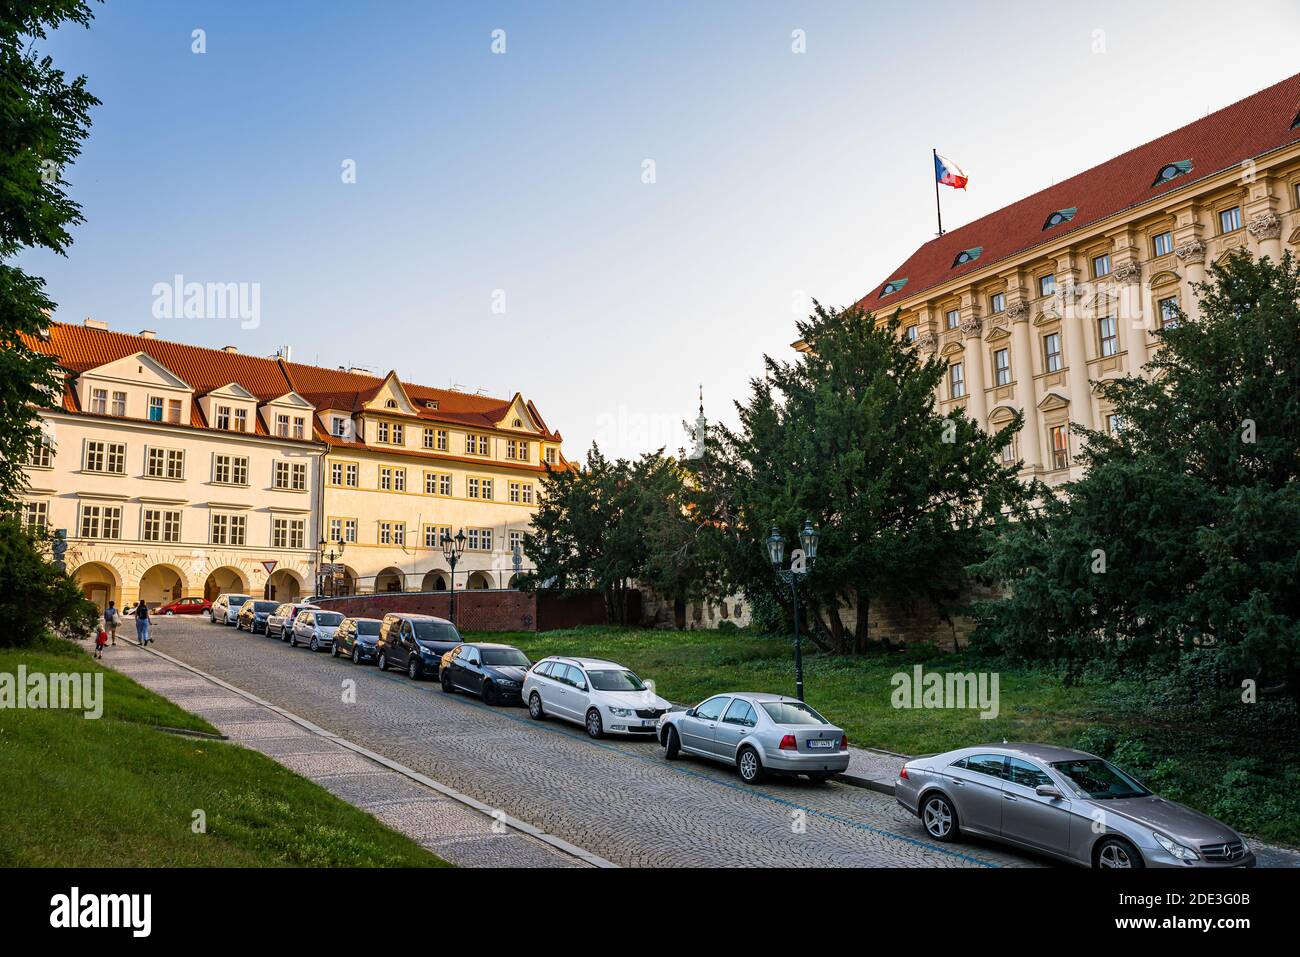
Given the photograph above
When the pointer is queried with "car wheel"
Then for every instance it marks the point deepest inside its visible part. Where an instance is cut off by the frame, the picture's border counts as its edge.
(489, 693)
(1116, 852)
(535, 710)
(315, 645)
(356, 655)
(672, 744)
(293, 639)
(445, 680)
(170, 613)
(413, 669)
(383, 662)
(594, 727)
(939, 817)
(749, 766)
(334, 650)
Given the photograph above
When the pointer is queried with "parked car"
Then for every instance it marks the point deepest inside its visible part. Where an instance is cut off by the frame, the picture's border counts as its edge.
(356, 638)
(758, 733)
(253, 615)
(493, 672)
(225, 609)
(415, 642)
(315, 628)
(1051, 800)
(185, 606)
(280, 621)
(600, 695)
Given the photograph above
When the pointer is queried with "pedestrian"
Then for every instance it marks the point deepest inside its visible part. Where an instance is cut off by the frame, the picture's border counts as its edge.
(101, 640)
(142, 623)
(112, 618)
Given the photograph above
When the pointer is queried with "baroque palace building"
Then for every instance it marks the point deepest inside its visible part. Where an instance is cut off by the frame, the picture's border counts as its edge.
(1032, 304)
(178, 472)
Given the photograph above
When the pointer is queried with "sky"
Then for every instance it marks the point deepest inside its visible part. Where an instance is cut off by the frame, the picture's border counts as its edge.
(603, 206)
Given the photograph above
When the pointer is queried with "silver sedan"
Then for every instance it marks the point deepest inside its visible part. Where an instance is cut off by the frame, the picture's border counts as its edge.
(757, 733)
(1064, 803)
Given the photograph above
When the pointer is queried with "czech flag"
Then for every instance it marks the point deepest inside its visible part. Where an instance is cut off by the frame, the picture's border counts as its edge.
(949, 173)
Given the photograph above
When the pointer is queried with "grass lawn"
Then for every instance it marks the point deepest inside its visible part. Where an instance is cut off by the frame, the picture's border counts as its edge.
(115, 792)
(1247, 778)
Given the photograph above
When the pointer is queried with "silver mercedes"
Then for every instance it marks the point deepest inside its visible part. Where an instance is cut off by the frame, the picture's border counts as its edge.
(1064, 803)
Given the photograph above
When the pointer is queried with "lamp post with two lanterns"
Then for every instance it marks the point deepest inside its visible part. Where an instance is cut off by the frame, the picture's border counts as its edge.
(452, 549)
(801, 564)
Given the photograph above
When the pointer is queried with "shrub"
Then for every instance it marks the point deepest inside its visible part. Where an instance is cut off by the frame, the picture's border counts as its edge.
(37, 596)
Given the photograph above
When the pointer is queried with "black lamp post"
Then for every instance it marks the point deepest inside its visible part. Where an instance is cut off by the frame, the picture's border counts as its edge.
(332, 556)
(452, 548)
(801, 564)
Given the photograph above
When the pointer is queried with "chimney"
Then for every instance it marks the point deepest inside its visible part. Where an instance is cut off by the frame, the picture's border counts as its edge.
(95, 324)
(286, 353)
(148, 334)
(229, 348)
(358, 370)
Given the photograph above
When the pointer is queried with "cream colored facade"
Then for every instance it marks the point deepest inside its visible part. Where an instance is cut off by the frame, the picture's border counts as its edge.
(162, 510)
(1005, 314)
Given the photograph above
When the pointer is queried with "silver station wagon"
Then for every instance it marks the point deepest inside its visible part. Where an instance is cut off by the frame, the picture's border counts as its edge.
(757, 733)
(1065, 803)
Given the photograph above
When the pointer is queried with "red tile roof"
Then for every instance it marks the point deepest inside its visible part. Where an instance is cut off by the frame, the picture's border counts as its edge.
(1259, 124)
(80, 348)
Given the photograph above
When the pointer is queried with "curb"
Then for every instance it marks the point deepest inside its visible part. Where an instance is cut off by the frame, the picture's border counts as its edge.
(512, 822)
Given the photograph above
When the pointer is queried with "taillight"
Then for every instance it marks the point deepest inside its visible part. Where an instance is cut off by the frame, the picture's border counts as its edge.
(844, 743)
(903, 774)
(788, 743)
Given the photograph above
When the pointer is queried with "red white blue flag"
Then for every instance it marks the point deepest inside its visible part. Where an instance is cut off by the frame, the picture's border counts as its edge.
(949, 173)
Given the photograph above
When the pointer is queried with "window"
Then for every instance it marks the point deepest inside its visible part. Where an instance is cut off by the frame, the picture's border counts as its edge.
(36, 515)
(471, 487)
(1162, 244)
(290, 475)
(428, 438)
(740, 713)
(1168, 312)
(390, 404)
(1101, 265)
(155, 409)
(551, 457)
(157, 525)
(119, 403)
(512, 449)
(99, 401)
(437, 483)
(241, 420)
(1059, 442)
(711, 710)
(910, 333)
(335, 530)
(952, 318)
(1025, 774)
(1230, 219)
(956, 381)
(1059, 217)
(1172, 171)
(282, 425)
(516, 539)
(476, 444)
(525, 451)
(101, 521)
(338, 426)
(288, 532)
(386, 479)
(998, 302)
(440, 443)
(42, 454)
(223, 417)
(345, 474)
(109, 457)
(892, 287)
(381, 432)
(1052, 352)
(515, 492)
(1047, 285)
(487, 489)
(165, 463)
(431, 404)
(1009, 453)
(230, 469)
(399, 480)
(174, 411)
(299, 427)
(967, 256)
(478, 539)
(1114, 423)
(1108, 334)
(1002, 366)
(229, 529)
(399, 434)
(350, 530)
(392, 533)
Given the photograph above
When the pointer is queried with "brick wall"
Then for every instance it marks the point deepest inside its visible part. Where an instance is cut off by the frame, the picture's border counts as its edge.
(483, 609)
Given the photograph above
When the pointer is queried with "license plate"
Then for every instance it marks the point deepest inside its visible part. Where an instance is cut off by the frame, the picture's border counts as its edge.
(821, 744)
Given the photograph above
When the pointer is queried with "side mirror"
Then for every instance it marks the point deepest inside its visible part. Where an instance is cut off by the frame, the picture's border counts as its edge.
(690, 712)
(1047, 791)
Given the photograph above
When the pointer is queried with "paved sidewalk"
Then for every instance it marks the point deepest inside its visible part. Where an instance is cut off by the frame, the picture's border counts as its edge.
(877, 770)
(457, 828)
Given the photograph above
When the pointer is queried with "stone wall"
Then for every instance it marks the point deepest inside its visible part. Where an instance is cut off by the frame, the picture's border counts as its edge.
(483, 609)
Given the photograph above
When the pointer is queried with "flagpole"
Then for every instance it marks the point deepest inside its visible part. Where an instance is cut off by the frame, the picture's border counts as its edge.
(934, 170)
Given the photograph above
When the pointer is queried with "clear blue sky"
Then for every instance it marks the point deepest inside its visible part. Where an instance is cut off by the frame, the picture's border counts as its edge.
(778, 174)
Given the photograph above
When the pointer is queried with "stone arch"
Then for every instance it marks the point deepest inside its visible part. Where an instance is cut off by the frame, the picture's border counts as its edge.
(99, 582)
(225, 578)
(435, 579)
(285, 584)
(478, 580)
(390, 579)
(161, 583)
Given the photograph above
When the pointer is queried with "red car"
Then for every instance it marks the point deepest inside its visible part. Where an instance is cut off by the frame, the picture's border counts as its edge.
(184, 606)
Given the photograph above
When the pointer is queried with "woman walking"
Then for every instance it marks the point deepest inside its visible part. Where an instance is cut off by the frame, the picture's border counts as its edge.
(142, 622)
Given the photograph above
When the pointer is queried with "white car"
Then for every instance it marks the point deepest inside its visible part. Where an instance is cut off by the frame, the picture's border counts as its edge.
(315, 629)
(600, 695)
(226, 608)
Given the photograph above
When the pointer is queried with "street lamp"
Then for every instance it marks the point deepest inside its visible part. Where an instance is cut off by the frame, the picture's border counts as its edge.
(452, 548)
(801, 563)
(332, 556)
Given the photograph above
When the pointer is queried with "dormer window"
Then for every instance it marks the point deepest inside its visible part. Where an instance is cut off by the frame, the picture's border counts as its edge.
(893, 286)
(339, 426)
(431, 404)
(1060, 216)
(1172, 171)
(517, 423)
(390, 404)
(967, 256)
(1295, 124)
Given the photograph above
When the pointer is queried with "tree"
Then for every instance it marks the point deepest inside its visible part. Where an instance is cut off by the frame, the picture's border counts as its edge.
(37, 595)
(1185, 530)
(45, 117)
(849, 435)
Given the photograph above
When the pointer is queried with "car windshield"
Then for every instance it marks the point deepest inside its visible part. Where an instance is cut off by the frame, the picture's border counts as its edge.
(505, 656)
(265, 606)
(615, 680)
(1098, 780)
(328, 618)
(368, 627)
(238, 599)
(792, 712)
(435, 631)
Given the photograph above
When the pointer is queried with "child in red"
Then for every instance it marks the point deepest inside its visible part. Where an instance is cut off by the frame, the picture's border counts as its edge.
(101, 640)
